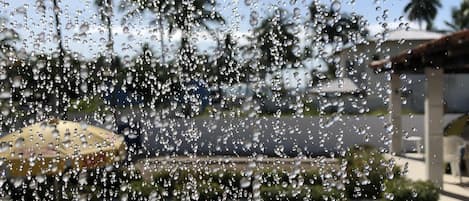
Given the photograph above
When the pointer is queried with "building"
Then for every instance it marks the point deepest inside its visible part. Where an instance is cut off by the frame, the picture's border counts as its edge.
(357, 58)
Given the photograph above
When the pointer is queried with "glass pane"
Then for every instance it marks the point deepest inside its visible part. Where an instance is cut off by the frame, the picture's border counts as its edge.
(233, 100)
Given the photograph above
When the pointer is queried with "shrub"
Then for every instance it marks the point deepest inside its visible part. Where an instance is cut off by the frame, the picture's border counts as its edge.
(278, 192)
(211, 191)
(307, 192)
(87, 106)
(403, 189)
(141, 190)
(225, 183)
(312, 177)
(366, 172)
(228, 178)
(274, 177)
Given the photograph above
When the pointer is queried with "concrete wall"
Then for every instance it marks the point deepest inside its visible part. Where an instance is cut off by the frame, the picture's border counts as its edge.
(274, 137)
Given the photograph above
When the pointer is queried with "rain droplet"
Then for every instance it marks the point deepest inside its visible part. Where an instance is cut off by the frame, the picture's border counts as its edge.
(125, 29)
(84, 27)
(55, 133)
(4, 146)
(21, 10)
(296, 13)
(245, 182)
(254, 18)
(19, 142)
(335, 6)
(5, 95)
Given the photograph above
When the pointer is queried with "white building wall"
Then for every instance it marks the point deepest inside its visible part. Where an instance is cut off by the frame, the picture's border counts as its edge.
(456, 86)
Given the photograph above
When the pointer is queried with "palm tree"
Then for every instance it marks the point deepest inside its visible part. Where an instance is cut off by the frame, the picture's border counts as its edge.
(190, 67)
(186, 17)
(159, 8)
(274, 41)
(422, 11)
(343, 27)
(226, 64)
(58, 30)
(144, 74)
(105, 15)
(7, 36)
(460, 17)
(58, 89)
(178, 15)
(225, 68)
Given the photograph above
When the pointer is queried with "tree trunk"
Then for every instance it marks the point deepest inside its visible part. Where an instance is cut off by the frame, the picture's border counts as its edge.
(109, 68)
(110, 41)
(163, 54)
(57, 27)
(185, 74)
(54, 101)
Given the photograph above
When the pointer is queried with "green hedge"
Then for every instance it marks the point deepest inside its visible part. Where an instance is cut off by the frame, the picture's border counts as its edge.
(367, 171)
(404, 189)
(368, 175)
(226, 184)
(307, 192)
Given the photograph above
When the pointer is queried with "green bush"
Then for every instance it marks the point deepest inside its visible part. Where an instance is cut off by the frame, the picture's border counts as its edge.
(211, 191)
(312, 177)
(366, 172)
(229, 178)
(307, 192)
(227, 183)
(104, 184)
(277, 192)
(87, 106)
(404, 189)
(141, 190)
(360, 163)
(274, 177)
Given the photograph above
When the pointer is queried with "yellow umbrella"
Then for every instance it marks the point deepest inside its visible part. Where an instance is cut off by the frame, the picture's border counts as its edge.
(50, 147)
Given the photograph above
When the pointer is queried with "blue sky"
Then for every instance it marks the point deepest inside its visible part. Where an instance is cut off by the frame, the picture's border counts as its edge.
(367, 8)
(83, 32)
(36, 30)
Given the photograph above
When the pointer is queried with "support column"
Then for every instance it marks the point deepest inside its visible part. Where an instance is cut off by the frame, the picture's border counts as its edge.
(395, 114)
(434, 126)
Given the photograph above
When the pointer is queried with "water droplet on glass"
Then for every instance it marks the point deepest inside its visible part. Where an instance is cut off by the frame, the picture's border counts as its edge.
(19, 142)
(335, 6)
(245, 182)
(254, 18)
(84, 27)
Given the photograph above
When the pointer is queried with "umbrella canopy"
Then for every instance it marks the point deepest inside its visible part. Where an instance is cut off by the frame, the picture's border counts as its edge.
(50, 147)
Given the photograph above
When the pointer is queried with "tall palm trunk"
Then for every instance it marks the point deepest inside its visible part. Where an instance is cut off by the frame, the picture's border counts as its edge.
(187, 72)
(57, 29)
(110, 40)
(54, 101)
(163, 53)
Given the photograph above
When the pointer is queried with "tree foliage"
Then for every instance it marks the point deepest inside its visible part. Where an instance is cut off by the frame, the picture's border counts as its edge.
(460, 17)
(422, 11)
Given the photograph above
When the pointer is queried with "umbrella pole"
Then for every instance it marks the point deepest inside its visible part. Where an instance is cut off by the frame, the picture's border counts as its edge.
(56, 188)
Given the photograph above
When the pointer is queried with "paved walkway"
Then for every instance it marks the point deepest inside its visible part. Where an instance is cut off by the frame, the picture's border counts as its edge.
(452, 189)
